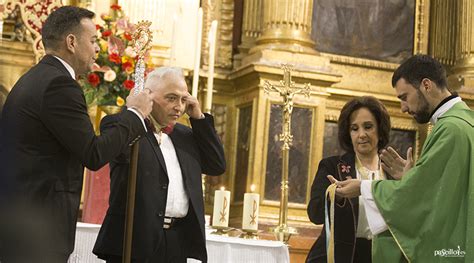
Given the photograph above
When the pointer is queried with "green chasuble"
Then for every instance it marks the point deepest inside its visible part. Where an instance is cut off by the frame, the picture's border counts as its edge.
(430, 211)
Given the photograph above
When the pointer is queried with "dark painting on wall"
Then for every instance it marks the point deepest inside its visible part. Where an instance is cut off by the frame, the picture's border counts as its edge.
(330, 141)
(301, 123)
(243, 146)
(401, 140)
(373, 29)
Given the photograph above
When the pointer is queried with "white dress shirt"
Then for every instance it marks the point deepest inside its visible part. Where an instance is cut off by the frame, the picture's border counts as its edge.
(67, 66)
(374, 217)
(363, 229)
(177, 203)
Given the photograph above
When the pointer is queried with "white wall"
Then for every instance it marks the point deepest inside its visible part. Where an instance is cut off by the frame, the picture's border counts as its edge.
(161, 13)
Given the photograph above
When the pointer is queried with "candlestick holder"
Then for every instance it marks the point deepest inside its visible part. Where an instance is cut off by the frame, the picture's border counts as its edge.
(249, 234)
(221, 230)
(283, 233)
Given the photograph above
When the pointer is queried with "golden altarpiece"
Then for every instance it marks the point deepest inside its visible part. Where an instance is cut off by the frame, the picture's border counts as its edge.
(254, 39)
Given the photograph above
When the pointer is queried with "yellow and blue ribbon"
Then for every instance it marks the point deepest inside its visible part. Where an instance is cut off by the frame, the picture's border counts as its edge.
(329, 225)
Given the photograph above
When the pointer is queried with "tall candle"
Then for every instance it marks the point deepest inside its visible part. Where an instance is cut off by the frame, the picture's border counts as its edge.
(197, 56)
(174, 36)
(212, 55)
(250, 213)
(1, 27)
(220, 215)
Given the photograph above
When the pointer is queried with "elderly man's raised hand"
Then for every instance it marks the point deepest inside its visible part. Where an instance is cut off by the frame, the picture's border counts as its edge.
(394, 164)
(193, 108)
(141, 102)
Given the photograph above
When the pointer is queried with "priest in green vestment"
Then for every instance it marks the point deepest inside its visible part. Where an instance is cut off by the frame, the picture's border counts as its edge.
(427, 215)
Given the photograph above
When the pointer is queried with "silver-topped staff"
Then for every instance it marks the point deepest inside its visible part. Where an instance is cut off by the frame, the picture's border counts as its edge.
(142, 43)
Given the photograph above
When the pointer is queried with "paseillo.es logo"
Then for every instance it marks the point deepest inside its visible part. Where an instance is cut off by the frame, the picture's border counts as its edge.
(450, 253)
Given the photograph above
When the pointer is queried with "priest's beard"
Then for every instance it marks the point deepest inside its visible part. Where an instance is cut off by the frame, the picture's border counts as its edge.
(423, 114)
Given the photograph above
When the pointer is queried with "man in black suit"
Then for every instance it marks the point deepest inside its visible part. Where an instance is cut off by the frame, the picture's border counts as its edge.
(48, 139)
(169, 209)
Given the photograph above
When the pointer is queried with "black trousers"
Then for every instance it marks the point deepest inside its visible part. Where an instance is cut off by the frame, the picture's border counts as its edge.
(171, 250)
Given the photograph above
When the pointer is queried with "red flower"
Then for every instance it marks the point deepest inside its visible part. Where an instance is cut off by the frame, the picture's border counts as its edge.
(127, 67)
(128, 84)
(346, 168)
(115, 58)
(115, 7)
(106, 33)
(127, 36)
(98, 27)
(93, 79)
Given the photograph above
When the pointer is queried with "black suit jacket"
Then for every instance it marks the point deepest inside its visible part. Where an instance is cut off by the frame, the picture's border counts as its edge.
(48, 138)
(346, 212)
(199, 151)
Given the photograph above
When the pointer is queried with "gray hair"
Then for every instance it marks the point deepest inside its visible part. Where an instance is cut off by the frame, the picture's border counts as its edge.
(162, 72)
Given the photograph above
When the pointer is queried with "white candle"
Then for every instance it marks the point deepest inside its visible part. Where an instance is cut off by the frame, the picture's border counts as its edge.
(1, 28)
(174, 36)
(197, 56)
(250, 213)
(212, 55)
(220, 216)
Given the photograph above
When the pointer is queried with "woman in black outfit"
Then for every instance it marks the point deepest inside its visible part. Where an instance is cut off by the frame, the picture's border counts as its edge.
(363, 130)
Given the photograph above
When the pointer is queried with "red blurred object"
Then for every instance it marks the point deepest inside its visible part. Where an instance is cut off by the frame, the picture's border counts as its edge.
(96, 195)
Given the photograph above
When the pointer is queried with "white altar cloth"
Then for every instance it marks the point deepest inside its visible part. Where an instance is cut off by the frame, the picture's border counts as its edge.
(220, 249)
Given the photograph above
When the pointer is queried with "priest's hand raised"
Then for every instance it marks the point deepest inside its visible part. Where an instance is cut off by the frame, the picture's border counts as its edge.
(394, 164)
(349, 188)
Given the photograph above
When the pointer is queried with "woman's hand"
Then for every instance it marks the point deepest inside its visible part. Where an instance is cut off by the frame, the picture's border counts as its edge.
(349, 188)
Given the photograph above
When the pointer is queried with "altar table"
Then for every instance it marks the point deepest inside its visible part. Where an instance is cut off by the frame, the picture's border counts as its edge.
(220, 249)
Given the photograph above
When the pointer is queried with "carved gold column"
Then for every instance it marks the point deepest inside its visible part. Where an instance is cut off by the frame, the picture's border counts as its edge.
(443, 33)
(452, 42)
(251, 24)
(286, 26)
(223, 12)
(251, 28)
(462, 73)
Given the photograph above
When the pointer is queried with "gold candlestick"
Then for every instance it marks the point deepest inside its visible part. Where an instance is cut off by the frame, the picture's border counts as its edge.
(249, 234)
(287, 90)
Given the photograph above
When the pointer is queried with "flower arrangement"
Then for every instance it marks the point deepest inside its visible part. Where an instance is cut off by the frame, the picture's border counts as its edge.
(112, 77)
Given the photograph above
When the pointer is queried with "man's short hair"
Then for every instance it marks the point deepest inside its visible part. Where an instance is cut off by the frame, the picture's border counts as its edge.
(418, 67)
(379, 112)
(163, 72)
(63, 21)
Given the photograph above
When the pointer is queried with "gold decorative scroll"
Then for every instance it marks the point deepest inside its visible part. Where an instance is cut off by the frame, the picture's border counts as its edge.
(253, 216)
(223, 212)
(142, 38)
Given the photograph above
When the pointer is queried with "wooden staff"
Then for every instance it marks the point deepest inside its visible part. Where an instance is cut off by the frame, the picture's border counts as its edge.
(142, 42)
